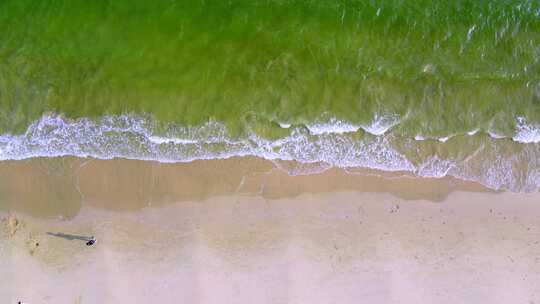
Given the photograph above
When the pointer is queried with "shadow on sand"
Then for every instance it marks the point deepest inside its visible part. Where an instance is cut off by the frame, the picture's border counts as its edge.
(71, 237)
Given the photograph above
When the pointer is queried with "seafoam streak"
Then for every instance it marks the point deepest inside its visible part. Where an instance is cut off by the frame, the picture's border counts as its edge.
(526, 132)
(136, 137)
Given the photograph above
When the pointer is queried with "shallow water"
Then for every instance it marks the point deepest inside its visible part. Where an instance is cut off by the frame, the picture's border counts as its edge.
(434, 88)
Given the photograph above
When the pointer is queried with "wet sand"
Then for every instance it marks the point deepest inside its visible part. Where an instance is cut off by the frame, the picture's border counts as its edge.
(59, 187)
(240, 231)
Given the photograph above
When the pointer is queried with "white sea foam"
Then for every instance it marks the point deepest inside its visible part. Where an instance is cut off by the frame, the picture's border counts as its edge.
(526, 132)
(381, 123)
(473, 132)
(433, 166)
(165, 140)
(444, 139)
(495, 135)
(314, 150)
(332, 126)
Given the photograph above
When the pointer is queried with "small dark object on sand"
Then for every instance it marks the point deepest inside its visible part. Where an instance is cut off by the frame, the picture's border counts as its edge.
(91, 242)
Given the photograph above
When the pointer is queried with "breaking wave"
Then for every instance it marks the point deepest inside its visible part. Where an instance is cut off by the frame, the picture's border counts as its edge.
(500, 164)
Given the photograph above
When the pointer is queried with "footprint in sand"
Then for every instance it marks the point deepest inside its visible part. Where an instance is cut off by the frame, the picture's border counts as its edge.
(12, 225)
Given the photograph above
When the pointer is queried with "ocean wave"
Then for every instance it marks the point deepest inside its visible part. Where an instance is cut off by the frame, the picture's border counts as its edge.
(494, 163)
(379, 125)
(444, 139)
(526, 132)
(473, 132)
(332, 126)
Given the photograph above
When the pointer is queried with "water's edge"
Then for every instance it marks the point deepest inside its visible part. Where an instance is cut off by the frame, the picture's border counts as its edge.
(499, 163)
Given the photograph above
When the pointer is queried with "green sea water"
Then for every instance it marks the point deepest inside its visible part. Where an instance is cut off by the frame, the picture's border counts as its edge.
(447, 66)
(436, 88)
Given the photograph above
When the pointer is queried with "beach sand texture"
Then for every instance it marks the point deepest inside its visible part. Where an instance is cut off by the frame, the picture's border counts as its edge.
(269, 151)
(240, 231)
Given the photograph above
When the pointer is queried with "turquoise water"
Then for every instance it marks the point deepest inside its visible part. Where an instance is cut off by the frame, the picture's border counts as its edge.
(432, 87)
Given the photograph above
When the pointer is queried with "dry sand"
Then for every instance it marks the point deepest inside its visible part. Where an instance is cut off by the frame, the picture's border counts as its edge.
(238, 231)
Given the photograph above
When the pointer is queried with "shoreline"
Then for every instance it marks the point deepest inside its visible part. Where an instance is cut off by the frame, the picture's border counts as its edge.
(241, 231)
(500, 164)
(51, 187)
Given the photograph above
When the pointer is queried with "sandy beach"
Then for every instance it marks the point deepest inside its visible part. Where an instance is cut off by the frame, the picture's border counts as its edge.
(242, 231)
(269, 152)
